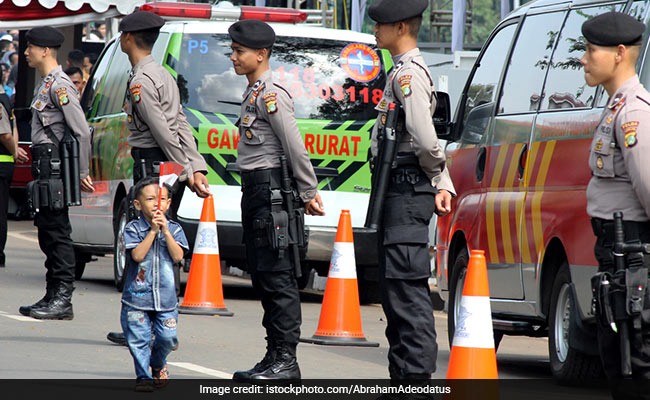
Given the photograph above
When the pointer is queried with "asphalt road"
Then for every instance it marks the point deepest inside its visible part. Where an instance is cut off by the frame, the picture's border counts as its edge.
(210, 346)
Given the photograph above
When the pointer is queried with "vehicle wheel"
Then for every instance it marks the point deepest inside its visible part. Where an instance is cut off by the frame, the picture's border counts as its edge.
(567, 364)
(119, 249)
(456, 285)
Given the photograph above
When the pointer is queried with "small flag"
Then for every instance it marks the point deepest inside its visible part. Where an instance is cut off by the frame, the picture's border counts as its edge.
(169, 174)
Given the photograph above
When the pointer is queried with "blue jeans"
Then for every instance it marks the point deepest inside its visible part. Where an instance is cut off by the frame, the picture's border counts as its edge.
(138, 327)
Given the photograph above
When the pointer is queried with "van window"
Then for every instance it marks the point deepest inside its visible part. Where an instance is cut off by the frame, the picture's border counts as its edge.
(565, 83)
(529, 62)
(88, 97)
(479, 103)
(112, 99)
(308, 68)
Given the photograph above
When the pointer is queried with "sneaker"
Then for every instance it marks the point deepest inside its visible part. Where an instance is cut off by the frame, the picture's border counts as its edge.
(160, 377)
(144, 385)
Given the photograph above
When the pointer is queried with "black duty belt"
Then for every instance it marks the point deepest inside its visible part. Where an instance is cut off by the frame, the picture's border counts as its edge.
(406, 159)
(151, 153)
(271, 176)
(46, 150)
(633, 229)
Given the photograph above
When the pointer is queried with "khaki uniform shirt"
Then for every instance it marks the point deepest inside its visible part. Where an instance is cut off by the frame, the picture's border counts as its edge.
(155, 117)
(268, 129)
(619, 156)
(5, 122)
(410, 85)
(55, 104)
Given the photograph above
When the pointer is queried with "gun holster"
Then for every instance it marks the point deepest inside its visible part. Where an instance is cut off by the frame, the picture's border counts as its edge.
(45, 193)
(601, 306)
(636, 279)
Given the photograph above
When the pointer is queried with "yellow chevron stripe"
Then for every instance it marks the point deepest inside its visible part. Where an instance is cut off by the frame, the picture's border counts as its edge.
(538, 232)
(489, 223)
(498, 167)
(521, 228)
(506, 238)
(513, 166)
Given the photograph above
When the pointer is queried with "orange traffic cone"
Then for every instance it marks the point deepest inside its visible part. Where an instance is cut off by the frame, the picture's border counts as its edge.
(472, 354)
(204, 292)
(340, 316)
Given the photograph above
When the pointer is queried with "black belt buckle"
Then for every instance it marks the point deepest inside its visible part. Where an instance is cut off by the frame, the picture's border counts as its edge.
(55, 167)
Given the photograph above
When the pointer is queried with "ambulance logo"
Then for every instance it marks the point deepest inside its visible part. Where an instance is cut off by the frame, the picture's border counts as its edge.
(360, 62)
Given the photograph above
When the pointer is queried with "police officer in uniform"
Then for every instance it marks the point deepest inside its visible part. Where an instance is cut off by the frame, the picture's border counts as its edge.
(7, 153)
(55, 106)
(268, 129)
(419, 186)
(158, 127)
(618, 160)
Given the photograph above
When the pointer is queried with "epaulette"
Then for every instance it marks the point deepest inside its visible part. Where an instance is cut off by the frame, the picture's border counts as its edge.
(643, 100)
(426, 71)
(285, 90)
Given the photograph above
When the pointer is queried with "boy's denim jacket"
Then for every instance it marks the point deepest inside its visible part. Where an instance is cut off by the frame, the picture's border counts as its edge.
(149, 285)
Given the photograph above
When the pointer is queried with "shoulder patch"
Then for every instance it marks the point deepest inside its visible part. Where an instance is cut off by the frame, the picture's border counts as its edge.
(135, 92)
(271, 102)
(405, 84)
(629, 129)
(62, 94)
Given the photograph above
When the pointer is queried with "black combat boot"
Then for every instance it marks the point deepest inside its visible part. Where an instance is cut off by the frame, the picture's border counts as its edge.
(268, 359)
(59, 307)
(284, 367)
(49, 293)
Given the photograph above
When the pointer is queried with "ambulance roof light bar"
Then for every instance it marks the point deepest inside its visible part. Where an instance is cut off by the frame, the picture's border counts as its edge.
(185, 11)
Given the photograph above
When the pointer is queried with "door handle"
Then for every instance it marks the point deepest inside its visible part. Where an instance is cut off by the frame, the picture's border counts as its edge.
(480, 164)
(522, 161)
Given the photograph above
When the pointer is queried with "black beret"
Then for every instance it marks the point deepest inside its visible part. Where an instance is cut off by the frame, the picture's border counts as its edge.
(390, 11)
(45, 36)
(612, 29)
(141, 21)
(252, 33)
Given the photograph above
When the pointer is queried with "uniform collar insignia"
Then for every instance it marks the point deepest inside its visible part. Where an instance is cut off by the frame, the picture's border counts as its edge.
(619, 100)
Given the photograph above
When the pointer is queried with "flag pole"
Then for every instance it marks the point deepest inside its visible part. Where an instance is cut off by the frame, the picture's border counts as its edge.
(160, 184)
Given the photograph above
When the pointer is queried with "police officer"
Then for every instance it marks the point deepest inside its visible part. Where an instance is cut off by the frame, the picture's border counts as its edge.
(420, 186)
(8, 148)
(618, 160)
(157, 125)
(55, 106)
(268, 130)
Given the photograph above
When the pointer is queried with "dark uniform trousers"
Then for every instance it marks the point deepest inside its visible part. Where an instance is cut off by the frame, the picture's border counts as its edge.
(273, 277)
(608, 341)
(6, 175)
(405, 270)
(54, 228)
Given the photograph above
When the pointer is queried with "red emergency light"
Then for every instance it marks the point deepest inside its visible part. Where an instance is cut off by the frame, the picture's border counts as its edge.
(170, 10)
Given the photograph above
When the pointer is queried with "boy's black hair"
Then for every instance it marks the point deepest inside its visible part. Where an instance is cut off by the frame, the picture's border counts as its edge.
(151, 180)
(73, 70)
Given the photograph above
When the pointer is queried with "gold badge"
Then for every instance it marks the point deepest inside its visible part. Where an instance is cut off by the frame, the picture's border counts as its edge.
(599, 145)
(599, 163)
(249, 134)
(246, 119)
(382, 105)
(38, 104)
(609, 120)
(383, 119)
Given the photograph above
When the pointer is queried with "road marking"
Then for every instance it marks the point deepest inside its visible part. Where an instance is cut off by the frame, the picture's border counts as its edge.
(20, 236)
(18, 317)
(203, 370)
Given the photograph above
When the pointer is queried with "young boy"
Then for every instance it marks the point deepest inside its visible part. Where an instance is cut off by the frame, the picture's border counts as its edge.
(149, 300)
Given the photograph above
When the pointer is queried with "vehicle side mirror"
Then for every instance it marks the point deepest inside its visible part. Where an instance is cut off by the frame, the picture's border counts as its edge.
(477, 122)
(442, 116)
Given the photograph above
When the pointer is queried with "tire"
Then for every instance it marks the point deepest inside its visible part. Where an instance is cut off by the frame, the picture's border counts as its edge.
(119, 251)
(568, 365)
(456, 292)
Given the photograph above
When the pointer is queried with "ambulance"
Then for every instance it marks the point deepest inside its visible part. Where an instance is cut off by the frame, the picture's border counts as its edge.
(518, 159)
(335, 77)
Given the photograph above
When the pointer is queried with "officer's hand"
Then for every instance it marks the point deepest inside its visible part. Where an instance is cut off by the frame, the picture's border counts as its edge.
(21, 155)
(87, 185)
(443, 203)
(315, 206)
(198, 183)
